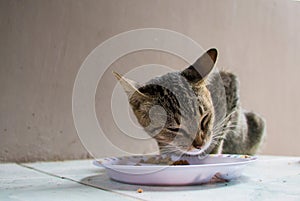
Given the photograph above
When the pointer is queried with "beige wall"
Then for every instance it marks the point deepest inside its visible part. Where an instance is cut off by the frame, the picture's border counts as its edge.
(43, 44)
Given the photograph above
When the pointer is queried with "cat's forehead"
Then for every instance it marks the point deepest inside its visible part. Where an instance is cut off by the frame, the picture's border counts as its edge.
(171, 81)
(164, 85)
(171, 84)
(165, 77)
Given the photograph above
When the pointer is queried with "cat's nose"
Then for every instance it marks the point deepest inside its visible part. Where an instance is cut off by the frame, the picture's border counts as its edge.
(198, 147)
(197, 143)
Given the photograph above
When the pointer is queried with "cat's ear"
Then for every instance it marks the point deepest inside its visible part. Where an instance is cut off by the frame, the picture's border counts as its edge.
(129, 86)
(202, 67)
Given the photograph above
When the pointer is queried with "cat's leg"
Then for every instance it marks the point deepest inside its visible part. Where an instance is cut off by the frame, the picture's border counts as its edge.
(247, 135)
(235, 133)
(235, 127)
(245, 129)
(256, 132)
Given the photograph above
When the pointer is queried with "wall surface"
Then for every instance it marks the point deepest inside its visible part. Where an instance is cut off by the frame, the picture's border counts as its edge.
(44, 43)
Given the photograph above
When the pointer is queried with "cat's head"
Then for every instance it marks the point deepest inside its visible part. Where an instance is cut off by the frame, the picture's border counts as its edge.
(176, 109)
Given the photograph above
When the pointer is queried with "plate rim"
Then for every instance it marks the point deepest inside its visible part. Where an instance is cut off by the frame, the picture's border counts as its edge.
(104, 162)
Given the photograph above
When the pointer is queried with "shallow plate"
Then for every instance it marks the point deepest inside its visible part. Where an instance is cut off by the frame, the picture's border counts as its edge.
(133, 170)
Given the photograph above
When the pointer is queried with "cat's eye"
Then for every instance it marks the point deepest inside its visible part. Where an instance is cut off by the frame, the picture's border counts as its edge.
(173, 129)
(204, 121)
(179, 131)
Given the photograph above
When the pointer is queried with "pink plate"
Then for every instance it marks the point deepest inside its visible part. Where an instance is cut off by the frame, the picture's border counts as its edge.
(130, 169)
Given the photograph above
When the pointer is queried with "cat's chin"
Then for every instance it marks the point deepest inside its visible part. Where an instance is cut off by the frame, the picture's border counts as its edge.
(196, 153)
(200, 153)
(193, 152)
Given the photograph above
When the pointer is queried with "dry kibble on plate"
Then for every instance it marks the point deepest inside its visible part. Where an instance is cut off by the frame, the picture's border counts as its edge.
(245, 156)
(139, 190)
(181, 162)
(162, 161)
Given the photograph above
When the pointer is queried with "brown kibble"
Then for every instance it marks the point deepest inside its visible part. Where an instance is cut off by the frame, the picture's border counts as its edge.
(217, 178)
(162, 161)
(181, 162)
(246, 156)
(152, 160)
(139, 190)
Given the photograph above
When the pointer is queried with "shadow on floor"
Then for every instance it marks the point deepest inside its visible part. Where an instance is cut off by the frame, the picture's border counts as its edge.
(104, 182)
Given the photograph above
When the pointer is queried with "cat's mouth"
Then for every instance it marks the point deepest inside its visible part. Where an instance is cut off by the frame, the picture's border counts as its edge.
(199, 151)
(187, 150)
(195, 151)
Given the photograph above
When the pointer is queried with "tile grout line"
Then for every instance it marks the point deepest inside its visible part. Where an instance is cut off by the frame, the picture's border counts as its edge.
(72, 180)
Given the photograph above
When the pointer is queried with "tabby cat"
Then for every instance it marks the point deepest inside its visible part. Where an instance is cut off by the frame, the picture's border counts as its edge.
(196, 111)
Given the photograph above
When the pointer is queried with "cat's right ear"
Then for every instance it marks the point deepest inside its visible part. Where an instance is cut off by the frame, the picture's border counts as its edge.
(129, 86)
(202, 67)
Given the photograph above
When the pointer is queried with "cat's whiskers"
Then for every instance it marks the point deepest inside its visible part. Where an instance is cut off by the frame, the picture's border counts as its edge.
(221, 125)
(225, 120)
(170, 149)
(221, 129)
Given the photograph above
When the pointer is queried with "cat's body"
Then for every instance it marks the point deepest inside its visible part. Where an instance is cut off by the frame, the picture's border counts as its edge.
(196, 111)
(244, 130)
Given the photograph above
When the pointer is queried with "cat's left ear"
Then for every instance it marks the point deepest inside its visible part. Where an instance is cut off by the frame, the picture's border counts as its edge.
(202, 67)
(129, 86)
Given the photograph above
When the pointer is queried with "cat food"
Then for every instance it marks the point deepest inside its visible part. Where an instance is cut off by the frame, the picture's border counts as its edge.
(217, 178)
(181, 162)
(162, 161)
(245, 156)
(158, 160)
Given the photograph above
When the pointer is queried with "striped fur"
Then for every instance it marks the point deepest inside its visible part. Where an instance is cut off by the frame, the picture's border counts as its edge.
(198, 111)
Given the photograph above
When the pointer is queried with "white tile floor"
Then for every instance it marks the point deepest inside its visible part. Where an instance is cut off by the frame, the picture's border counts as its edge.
(270, 178)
